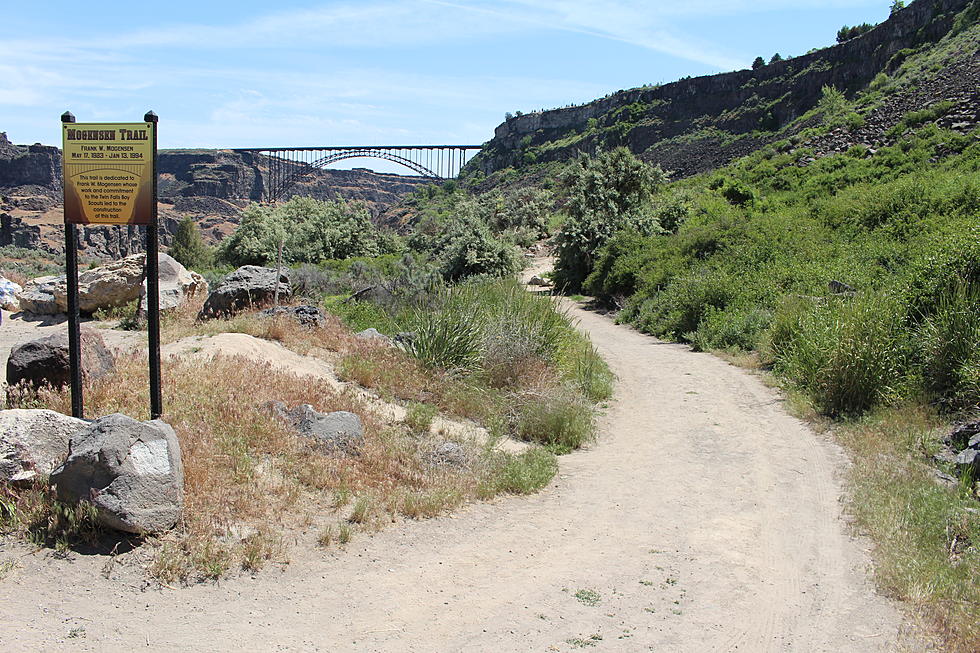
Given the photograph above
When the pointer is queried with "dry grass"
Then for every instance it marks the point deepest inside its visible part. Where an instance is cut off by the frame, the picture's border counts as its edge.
(250, 483)
(926, 535)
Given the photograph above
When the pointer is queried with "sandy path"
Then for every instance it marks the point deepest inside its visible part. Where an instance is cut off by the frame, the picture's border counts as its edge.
(704, 519)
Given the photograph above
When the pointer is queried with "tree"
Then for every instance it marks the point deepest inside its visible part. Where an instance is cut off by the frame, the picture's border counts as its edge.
(897, 6)
(608, 193)
(188, 247)
(846, 33)
(776, 57)
(758, 63)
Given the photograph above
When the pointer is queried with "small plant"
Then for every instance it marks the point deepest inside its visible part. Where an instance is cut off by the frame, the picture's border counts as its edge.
(363, 508)
(522, 474)
(419, 416)
(344, 534)
(588, 597)
(326, 537)
(446, 340)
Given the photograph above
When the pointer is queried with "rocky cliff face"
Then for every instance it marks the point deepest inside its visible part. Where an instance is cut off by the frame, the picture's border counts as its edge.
(687, 126)
(212, 186)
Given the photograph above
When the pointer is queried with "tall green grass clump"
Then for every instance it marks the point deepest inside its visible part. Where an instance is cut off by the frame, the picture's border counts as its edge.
(950, 349)
(850, 353)
(523, 349)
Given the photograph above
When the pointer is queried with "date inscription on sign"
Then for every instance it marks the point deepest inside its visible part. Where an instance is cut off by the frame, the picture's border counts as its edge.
(108, 172)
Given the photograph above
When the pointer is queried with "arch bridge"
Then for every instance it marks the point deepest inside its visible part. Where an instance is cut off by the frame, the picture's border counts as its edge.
(285, 166)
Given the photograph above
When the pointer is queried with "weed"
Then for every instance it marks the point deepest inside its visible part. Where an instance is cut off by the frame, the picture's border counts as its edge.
(344, 534)
(521, 474)
(363, 509)
(6, 568)
(588, 597)
(418, 416)
(326, 537)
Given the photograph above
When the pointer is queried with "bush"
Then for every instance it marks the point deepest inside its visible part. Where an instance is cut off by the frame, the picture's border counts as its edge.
(522, 474)
(310, 231)
(739, 328)
(188, 247)
(467, 248)
(608, 193)
(561, 421)
(446, 340)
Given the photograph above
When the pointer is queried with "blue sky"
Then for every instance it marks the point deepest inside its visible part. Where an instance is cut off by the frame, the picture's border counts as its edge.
(251, 74)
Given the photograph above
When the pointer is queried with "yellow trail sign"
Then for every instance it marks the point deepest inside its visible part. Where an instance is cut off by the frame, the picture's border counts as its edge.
(108, 172)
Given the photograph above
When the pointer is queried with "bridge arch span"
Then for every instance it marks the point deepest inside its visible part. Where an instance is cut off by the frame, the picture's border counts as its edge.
(283, 167)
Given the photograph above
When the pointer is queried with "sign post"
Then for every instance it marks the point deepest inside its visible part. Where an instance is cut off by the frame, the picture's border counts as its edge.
(74, 320)
(110, 178)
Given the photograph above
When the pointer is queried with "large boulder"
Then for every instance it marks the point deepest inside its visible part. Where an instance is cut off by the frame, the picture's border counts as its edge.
(114, 284)
(33, 441)
(247, 287)
(46, 361)
(129, 470)
(38, 298)
(177, 285)
(340, 432)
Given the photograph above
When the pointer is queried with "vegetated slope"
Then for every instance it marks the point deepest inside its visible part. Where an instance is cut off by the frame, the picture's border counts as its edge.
(695, 125)
(212, 186)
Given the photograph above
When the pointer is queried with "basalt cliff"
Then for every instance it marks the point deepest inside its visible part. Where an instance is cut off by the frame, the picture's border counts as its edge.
(698, 124)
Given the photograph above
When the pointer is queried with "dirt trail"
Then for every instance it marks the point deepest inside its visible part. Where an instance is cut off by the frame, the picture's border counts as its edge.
(704, 519)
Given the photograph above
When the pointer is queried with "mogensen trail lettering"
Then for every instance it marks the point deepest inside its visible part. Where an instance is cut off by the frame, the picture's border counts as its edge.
(107, 135)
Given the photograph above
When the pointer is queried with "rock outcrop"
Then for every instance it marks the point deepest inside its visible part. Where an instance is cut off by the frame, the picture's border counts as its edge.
(310, 317)
(340, 432)
(688, 126)
(129, 470)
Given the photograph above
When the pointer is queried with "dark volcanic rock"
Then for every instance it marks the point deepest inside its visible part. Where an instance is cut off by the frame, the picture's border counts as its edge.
(308, 316)
(37, 165)
(13, 231)
(45, 360)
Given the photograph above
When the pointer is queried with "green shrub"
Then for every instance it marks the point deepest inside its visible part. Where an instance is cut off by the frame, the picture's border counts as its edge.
(310, 231)
(678, 309)
(419, 416)
(739, 328)
(561, 420)
(850, 354)
(608, 193)
(521, 474)
(950, 349)
(188, 247)
(446, 340)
